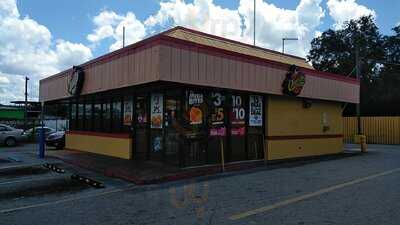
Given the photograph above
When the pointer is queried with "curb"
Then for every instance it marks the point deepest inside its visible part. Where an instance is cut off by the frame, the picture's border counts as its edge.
(190, 173)
(203, 171)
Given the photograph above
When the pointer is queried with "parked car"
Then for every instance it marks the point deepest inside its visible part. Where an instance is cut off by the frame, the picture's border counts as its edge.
(10, 136)
(47, 132)
(56, 140)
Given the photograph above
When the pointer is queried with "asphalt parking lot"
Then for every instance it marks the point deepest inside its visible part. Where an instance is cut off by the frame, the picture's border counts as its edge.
(362, 189)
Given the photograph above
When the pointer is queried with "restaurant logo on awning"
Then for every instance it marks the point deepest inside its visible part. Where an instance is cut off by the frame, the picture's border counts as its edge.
(294, 81)
(75, 83)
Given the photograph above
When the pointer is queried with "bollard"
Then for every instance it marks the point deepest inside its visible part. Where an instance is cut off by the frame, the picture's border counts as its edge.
(362, 140)
(222, 154)
(363, 143)
(41, 143)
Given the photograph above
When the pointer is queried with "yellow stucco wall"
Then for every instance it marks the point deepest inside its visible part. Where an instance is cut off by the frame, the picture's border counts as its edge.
(294, 131)
(111, 146)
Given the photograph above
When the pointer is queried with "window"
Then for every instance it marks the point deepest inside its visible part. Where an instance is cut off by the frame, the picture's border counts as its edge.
(73, 117)
(80, 117)
(2, 128)
(106, 117)
(116, 116)
(97, 117)
(127, 114)
(88, 117)
(238, 113)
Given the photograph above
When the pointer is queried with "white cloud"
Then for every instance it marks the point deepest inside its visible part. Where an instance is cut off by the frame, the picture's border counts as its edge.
(11, 88)
(110, 25)
(27, 49)
(273, 23)
(345, 10)
(4, 80)
(202, 15)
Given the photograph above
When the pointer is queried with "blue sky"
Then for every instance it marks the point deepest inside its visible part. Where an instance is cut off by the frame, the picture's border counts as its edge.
(72, 20)
(41, 38)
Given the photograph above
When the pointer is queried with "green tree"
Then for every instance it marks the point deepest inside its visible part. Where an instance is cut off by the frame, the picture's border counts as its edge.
(389, 77)
(335, 51)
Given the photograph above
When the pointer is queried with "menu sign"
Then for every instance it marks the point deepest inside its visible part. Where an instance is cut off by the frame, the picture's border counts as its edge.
(195, 112)
(128, 110)
(156, 111)
(256, 111)
(217, 113)
(195, 98)
(238, 112)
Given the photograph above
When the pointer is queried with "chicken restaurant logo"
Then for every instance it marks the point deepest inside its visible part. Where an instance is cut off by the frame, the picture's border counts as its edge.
(294, 81)
(75, 82)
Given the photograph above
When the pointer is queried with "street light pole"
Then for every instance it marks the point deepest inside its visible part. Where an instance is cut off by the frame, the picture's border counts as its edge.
(26, 104)
(123, 37)
(359, 94)
(254, 24)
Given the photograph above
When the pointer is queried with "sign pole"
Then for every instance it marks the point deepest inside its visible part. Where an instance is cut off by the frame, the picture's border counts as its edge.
(41, 134)
(222, 154)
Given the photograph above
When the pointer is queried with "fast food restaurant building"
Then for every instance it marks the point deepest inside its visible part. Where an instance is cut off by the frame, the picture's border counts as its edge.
(182, 95)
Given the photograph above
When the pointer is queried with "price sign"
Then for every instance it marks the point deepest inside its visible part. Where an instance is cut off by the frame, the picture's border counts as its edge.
(238, 112)
(256, 111)
(217, 110)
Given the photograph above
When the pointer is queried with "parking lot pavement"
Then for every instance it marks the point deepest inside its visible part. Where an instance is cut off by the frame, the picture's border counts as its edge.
(361, 189)
(26, 180)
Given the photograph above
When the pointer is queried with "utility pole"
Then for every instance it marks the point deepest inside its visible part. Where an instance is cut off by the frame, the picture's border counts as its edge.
(358, 78)
(123, 37)
(26, 104)
(287, 39)
(254, 18)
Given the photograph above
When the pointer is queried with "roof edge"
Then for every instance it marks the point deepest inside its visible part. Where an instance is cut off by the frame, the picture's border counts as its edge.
(234, 41)
(114, 53)
(163, 35)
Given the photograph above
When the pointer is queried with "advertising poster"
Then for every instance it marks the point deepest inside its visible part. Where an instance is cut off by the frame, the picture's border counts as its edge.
(256, 111)
(238, 113)
(156, 116)
(217, 113)
(238, 131)
(195, 113)
(218, 132)
(157, 144)
(128, 112)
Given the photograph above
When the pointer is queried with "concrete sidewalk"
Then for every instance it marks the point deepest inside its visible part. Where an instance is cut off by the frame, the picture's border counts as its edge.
(152, 172)
(143, 172)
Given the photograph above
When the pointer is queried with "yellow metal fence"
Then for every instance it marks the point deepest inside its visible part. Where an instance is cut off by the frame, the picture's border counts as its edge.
(378, 130)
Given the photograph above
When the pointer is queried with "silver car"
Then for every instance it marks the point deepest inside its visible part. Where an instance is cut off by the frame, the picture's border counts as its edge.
(10, 136)
(36, 132)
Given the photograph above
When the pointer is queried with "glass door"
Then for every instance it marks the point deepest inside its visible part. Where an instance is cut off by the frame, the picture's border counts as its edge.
(217, 129)
(195, 137)
(238, 131)
(172, 127)
(255, 144)
(157, 144)
(141, 125)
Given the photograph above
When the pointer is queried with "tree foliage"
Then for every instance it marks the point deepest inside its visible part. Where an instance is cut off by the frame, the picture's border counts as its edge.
(335, 51)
